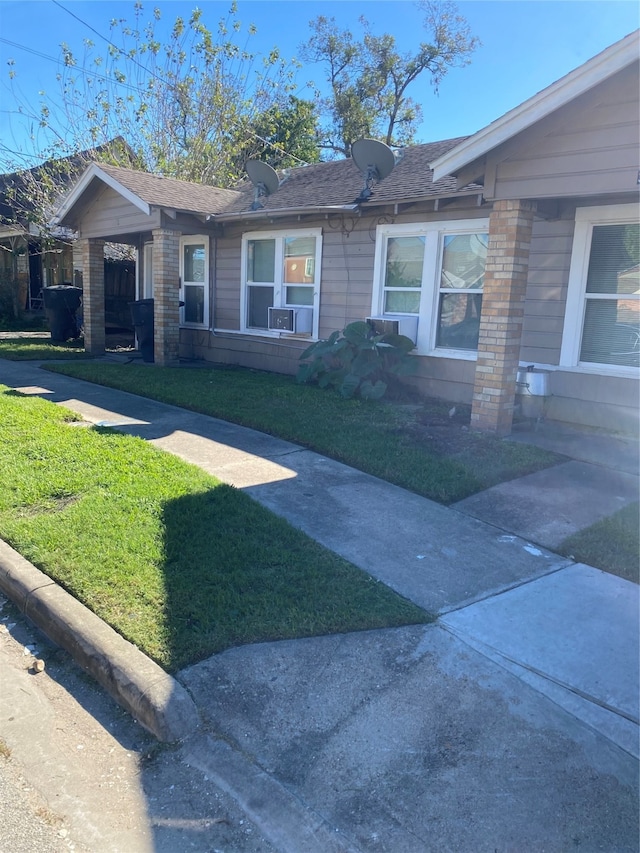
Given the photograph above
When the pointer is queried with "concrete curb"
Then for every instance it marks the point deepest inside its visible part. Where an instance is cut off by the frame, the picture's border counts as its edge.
(155, 699)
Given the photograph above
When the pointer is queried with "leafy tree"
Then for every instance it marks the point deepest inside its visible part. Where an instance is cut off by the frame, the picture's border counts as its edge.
(369, 78)
(285, 134)
(189, 107)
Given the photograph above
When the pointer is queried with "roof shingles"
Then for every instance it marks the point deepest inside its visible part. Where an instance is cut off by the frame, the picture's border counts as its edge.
(333, 183)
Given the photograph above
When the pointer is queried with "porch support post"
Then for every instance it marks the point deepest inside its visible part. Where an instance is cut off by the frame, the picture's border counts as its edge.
(505, 283)
(166, 286)
(93, 295)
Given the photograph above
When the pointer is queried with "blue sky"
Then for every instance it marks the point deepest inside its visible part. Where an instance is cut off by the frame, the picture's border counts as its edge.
(526, 45)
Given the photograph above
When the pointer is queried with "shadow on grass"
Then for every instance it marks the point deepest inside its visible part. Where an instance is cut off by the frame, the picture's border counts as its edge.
(234, 573)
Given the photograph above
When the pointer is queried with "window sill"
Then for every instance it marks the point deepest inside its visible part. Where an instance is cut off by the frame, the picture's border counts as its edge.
(459, 355)
(601, 370)
(265, 333)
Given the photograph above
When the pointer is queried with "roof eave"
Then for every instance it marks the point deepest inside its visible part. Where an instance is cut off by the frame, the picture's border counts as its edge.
(573, 84)
(264, 213)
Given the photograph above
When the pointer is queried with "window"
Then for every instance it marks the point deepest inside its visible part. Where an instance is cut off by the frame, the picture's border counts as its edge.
(602, 321)
(194, 278)
(280, 270)
(435, 272)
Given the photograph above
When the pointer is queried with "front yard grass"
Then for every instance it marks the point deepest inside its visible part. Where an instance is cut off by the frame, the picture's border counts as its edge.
(414, 445)
(612, 544)
(41, 349)
(177, 562)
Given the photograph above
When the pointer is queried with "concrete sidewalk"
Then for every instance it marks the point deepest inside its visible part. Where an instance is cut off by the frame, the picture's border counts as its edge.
(523, 694)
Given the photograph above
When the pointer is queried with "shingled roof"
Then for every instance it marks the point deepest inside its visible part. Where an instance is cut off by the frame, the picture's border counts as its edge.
(320, 186)
(159, 191)
(339, 182)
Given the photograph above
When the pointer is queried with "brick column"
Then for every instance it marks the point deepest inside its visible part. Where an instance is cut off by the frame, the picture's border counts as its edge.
(505, 283)
(166, 284)
(93, 295)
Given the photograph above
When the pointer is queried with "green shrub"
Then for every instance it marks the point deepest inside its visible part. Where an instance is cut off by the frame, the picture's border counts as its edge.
(358, 362)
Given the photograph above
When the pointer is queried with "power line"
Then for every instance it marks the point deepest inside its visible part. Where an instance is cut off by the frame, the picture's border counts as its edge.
(60, 62)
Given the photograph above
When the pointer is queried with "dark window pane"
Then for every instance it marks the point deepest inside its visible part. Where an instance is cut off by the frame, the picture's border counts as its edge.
(261, 260)
(260, 299)
(459, 320)
(193, 304)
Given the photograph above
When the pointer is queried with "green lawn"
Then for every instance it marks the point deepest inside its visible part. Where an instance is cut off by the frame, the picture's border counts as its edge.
(388, 440)
(177, 562)
(40, 349)
(612, 544)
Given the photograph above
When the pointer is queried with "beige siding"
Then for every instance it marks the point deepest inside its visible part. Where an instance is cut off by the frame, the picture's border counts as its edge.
(347, 277)
(607, 402)
(110, 215)
(227, 283)
(589, 146)
(549, 261)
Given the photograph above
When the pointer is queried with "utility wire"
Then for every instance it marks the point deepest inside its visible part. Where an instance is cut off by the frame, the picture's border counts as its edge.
(58, 61)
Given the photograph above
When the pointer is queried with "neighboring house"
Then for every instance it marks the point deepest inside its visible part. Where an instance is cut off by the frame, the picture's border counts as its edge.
(32, 257)
(27, 261)
(515, 246)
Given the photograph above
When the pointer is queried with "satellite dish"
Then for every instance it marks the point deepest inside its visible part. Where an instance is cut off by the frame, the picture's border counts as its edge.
(264, 178)
(375, 161)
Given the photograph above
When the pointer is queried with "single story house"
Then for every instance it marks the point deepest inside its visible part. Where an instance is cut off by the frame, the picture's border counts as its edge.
(516, 246)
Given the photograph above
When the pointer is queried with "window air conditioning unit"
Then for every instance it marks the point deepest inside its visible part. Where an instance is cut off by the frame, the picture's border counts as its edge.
(298, 321)
(407, 326)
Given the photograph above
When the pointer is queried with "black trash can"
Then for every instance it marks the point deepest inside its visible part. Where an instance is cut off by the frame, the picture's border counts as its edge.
(61, 302)
(142, 318)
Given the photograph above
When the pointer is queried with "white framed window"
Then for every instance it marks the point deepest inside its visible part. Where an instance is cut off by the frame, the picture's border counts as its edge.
(280, 269)
(602, 317)
(434, 272)
(194, 281)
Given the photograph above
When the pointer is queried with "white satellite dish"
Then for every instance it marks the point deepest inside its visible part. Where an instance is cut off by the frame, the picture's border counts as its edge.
(374, 160)
(264, 178)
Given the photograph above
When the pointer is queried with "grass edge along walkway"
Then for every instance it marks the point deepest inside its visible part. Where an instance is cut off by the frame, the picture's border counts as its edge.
(381, 439)
(181, 565)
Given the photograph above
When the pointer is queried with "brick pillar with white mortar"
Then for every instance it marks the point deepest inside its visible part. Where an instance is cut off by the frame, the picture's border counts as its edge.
(93, 295)
(503, 296)
(166, 286)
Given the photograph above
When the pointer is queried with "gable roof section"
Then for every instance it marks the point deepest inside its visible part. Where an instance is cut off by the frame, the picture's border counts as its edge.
(594, 71)
(146, 191)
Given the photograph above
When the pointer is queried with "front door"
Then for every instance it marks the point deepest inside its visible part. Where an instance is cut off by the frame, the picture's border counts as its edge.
(194, 281)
